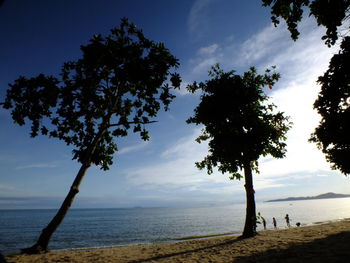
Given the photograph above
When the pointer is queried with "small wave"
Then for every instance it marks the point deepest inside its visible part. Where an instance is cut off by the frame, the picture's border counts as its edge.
(89, 248)
(205, 236)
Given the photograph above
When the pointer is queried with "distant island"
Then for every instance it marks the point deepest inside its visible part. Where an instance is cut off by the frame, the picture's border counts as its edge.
(321, 196)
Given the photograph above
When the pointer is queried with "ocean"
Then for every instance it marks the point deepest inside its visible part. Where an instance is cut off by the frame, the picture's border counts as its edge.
(92, 228)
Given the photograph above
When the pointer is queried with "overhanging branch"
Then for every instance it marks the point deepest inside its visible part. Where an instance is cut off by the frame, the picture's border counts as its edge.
(130, 122)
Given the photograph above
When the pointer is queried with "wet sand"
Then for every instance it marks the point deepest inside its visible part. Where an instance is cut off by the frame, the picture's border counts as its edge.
(327, 242)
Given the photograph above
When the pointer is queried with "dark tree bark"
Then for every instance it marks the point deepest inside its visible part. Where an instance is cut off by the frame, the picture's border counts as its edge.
(41, 246)
(240, 125)
(250, 220)
(121, 77)
(2, 259)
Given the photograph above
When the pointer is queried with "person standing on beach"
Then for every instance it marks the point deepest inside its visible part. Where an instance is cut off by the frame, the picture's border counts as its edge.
(274, 222)
(260, 217)
(264, 222)
(287, 220)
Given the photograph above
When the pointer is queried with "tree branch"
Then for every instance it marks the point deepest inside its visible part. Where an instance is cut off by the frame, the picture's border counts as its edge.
(131, 122)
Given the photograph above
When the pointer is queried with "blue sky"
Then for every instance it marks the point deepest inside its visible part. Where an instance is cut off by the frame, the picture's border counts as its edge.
(38, 36)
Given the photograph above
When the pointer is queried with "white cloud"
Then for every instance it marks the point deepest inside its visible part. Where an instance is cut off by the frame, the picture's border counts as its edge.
(260, 182)
(36, 165)
(198, 17)
(270, 39)
(206, 57)
(268, 47)
(183, 88)
(231, 55)
(300, 63)
(176, 170)
(209, 50)
(133, 148)
(6, 188)
(176, 167)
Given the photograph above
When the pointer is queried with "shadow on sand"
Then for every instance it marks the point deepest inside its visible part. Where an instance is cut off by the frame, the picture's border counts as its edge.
(334, 248)
(169, 256)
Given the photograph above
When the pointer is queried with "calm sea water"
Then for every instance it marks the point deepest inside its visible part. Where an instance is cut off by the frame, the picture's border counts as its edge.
(86, 228)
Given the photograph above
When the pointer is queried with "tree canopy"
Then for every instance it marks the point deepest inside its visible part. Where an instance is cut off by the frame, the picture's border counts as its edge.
(238, 122)
(116, 85)
(121, 82)
(333, 101)
(240, 126)
(330, 14)
(333, 104)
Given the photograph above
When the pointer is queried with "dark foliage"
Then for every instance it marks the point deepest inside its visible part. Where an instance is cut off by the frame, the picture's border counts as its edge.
(118, 84)
(330, 14)
(333, 104)
(240, 126)
(238, 123)
(332, 134)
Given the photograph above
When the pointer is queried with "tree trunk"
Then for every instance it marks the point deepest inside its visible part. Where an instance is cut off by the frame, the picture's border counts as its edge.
(250, 220)
(42, 244)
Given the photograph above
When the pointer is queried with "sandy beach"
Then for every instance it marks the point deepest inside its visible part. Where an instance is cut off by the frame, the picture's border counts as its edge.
(327, 242)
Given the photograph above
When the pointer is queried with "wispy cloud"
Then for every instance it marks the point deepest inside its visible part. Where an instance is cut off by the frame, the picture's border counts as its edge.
(36, 165)
(6, 188)
(20, 202)
(266, 183)
(206, 57)
(183, 88)
(198, 17)
(176, 167)
(270, 46)
(300, 63)
(175, 172)
(262, 44)
(209, 50)
(133, 148)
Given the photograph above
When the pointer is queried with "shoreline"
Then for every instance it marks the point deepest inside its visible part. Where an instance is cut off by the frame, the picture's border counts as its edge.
(189, 238)
(327, 242)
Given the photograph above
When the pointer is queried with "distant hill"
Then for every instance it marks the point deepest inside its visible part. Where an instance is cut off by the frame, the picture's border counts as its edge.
(321, 196)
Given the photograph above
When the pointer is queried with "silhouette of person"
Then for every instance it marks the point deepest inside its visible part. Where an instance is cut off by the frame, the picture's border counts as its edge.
(274, 222)
(287, 220)
(264, 222)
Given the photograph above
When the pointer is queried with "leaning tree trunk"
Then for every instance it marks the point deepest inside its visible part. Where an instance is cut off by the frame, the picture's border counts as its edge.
(43, 241)
(41, 246)
(250, 220)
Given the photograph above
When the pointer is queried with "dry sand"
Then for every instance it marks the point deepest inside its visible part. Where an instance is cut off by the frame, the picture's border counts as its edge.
(329, 242)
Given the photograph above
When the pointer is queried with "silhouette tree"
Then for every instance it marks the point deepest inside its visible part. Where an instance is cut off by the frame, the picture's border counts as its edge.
(120, 83)
(330, 14)
(333, 101)
(333, 104)
(241, 126)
